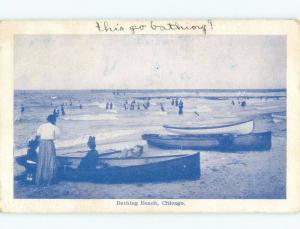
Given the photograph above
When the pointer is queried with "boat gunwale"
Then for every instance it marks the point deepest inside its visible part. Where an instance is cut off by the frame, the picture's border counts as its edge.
(203, 128)
(175, 156)
(197, 136)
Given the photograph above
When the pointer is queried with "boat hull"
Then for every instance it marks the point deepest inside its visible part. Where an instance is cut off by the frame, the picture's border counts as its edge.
(278, 118)
(132, 170)
(232, 143)
(238, 128)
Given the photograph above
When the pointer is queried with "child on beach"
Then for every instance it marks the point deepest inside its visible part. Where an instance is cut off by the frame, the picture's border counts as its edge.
(89, 162)
(31, 159)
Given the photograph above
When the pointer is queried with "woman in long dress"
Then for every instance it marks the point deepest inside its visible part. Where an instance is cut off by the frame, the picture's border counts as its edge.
(46, 164)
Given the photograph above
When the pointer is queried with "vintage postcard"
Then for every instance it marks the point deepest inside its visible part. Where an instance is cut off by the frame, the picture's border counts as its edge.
(150, 116)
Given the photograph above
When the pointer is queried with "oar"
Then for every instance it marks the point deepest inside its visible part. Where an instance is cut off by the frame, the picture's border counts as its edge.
(107, 152)
(196, 113)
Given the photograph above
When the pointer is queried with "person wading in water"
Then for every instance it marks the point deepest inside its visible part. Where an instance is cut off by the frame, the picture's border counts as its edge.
(46, 163)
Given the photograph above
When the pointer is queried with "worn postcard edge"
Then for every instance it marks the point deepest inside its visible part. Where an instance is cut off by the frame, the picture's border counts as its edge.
(290, 28)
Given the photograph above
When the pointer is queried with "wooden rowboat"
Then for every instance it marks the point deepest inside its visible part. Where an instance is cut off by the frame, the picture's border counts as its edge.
(244, 127)
(232, 143)
(130, 170)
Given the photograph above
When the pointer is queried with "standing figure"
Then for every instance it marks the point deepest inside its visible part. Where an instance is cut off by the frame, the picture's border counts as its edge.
(232, 102)
(46, 163)
(138, 106)
(80, 106)
(176, 102)
(148, 104)
(107, 105)
(54, 112)
(162, 107)
(172, 103)
(132, 106)
(62, 109)
(22, 108)
(111, 106)
(180, 106)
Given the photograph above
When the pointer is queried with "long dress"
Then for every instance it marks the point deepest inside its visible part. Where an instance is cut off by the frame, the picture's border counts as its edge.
(46, 163)
(46, 166)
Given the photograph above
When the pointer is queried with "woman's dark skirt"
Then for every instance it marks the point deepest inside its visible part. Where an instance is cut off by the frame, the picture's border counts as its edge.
(46, 165)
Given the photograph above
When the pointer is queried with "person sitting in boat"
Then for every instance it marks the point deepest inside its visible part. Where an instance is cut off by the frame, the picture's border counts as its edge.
(31, 159)
(89, 162)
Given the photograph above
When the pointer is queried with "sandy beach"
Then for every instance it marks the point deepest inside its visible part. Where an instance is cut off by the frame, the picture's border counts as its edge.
(246, 175)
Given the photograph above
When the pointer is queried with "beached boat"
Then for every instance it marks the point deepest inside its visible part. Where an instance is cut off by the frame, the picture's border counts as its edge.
(130, 170)
(244, 127)
(231, 143)
(278, 118)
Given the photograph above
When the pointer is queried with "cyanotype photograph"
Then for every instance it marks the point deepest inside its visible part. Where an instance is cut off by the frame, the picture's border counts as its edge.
(150, 116)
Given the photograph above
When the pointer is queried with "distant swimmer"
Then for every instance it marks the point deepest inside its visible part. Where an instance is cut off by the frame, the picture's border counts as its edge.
(22, 108)
(162, 107)
(132, 106)
(62, 109)
(56, 112)
(176, 102)
(180, 106)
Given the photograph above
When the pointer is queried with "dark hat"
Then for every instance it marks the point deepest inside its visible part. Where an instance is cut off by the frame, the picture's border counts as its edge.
(91, 142)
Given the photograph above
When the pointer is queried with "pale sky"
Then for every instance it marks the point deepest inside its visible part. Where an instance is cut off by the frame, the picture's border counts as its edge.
(149, 62)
